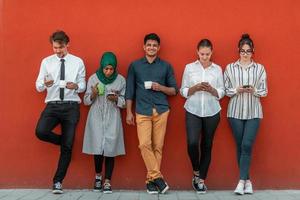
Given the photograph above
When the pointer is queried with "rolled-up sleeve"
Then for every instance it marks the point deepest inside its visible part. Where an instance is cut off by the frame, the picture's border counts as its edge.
(262, 90)
(87, 96)
(185, 86)
(130, 84)
(220, 85)
(171, 81)
(230, 90)
(121, 98)
(81, 78)
(39, 84)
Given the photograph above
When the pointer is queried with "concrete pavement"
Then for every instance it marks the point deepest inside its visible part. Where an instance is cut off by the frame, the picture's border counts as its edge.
(46, 194)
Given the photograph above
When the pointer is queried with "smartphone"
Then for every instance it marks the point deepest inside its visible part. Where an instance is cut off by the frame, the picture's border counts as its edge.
(111, 93)
(246, 86)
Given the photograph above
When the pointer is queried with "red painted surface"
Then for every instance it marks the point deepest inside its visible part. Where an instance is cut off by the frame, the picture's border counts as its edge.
(96, 26)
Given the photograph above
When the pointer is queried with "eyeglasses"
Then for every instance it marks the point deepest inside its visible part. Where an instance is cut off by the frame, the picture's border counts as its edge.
(246, 52)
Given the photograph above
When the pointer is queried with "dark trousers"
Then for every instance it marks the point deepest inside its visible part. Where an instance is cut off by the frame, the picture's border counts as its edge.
(109, 165)
(200, 134)
(67, 115)
(244, 132)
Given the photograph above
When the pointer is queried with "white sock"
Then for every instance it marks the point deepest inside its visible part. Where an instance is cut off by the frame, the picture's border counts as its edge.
(98, 177)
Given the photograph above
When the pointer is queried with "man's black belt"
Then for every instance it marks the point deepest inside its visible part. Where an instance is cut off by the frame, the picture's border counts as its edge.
(62, 102)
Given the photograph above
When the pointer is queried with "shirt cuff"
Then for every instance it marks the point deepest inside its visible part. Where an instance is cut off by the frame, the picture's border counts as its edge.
(185, 92)
(219, 94)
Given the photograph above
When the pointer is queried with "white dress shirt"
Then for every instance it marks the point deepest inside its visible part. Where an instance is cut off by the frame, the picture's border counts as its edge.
(202, 103)
(74, 72)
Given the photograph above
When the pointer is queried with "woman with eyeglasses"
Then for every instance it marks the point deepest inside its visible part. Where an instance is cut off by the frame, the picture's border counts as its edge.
(245, 83)
(203, 87)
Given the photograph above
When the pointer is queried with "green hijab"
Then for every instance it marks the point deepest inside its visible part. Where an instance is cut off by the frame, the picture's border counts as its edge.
(108, 58)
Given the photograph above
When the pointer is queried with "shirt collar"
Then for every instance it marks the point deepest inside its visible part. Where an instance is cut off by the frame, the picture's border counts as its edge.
(238, 64)
(65, 57)
(197, 62)
(144, 60)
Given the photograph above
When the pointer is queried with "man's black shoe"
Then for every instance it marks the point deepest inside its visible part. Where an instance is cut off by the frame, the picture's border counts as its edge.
(161, 185)
(151, 188)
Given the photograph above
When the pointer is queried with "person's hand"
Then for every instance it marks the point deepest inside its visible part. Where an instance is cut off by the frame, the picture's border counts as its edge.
(250, 89)
(94, 91)
(48, 83)
(130, 119)
(210, 89)
(71, 86)
(112, 97)
(156, 86)
(240, 89)
(199, 87)
(117, 92)
(207, 87)
(196, 88)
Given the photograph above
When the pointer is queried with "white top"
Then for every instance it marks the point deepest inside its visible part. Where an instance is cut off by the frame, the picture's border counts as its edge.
(202, 103)
(74, 72)
(245, 105)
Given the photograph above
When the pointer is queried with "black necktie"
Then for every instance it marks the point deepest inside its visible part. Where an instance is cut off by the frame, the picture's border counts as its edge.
(62, 77)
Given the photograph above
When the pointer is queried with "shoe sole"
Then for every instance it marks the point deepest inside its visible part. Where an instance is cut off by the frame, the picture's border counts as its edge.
(248, 193)
(164, 190)
(152, 192)
(96, 190)
(57, 192)
(107, 192)
(239, 193)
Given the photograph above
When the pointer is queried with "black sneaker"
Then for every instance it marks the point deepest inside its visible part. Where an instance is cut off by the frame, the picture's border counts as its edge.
(151, 188)
(107, 188)
(98, 184)
(161, 185)
(57, 188)
(198, 186)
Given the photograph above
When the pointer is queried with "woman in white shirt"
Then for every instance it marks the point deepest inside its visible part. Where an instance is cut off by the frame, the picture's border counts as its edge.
(245, 83)
(203, 87)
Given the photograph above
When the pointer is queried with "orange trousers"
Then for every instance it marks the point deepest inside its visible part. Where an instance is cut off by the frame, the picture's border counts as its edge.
(151, 132)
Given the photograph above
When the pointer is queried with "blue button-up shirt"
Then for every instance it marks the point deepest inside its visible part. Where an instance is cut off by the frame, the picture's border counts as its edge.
(146, 99)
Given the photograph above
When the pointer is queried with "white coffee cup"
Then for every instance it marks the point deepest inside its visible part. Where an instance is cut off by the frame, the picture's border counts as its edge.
(48, 77)
(62, 84)
(148, 84)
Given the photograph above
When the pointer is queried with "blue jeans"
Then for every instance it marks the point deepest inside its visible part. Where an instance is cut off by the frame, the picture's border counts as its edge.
(244, 132)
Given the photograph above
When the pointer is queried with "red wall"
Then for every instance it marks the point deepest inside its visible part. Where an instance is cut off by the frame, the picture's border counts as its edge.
(96, 26)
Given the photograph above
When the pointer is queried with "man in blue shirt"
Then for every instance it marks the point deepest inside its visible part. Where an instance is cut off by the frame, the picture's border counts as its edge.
(149, 81)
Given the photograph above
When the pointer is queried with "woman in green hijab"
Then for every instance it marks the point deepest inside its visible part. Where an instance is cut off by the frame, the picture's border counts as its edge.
(103, 136)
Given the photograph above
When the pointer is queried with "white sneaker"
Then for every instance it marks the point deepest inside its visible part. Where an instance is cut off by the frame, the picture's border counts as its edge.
(239, 188)
(248, 187)
(107, 188)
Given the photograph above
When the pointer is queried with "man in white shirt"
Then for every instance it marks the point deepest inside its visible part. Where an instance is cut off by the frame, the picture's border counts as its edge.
(63, 76)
